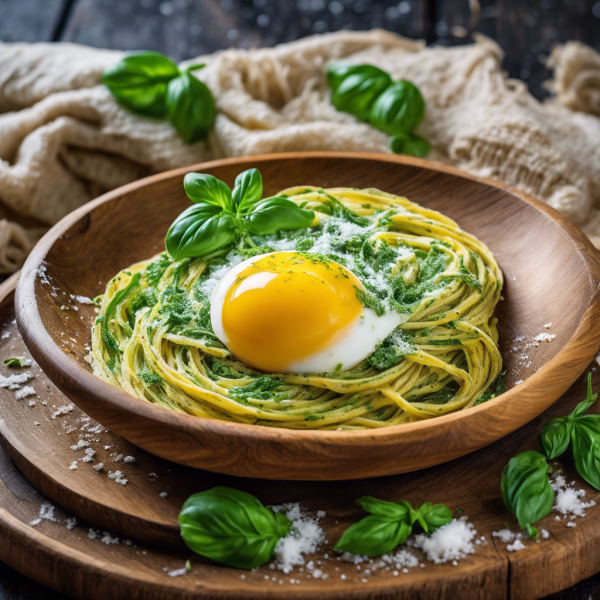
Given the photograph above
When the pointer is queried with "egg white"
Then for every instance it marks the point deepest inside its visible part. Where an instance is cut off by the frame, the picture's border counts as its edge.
(359, 341)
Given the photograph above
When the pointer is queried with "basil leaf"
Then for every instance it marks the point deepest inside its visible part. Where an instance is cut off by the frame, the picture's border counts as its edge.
(194, 67)
(139, 81)
(409, 144)
(337, 72)
(382, 508)
(17, 361)
(276, 214)
(555, 436)
(589, 399)
(374, 535)
(356, 88)
(201, 187)
(434, 515)
(199, 230)
(231, 527)
(190, 107)
(247, 190)
(526, 489)
(399, 109)
(585, 440)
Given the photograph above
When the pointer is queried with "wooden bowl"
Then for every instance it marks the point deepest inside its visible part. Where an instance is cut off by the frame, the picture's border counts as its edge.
(552, 276)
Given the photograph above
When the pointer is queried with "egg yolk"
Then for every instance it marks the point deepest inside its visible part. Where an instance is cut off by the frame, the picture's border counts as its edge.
(286, 307)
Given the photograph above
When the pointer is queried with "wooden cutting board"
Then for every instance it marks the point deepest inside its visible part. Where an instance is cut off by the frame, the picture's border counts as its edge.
(43, 439)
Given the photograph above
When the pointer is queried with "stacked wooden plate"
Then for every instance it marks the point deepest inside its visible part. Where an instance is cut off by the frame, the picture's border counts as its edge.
(105, 524)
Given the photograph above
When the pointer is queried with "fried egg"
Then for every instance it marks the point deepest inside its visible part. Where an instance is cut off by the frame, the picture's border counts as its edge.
(287, 312)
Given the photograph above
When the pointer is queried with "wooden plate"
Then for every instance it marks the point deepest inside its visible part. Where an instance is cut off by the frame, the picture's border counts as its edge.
(71, 561)
(552, 274)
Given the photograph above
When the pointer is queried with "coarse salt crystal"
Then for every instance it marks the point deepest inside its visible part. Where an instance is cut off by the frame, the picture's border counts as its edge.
(452, 541)
(63, 410)
(24, 392)
(117, 476)
(544, 337)
(568, 500)
(516, 546)
(505, 535)
(304, 538)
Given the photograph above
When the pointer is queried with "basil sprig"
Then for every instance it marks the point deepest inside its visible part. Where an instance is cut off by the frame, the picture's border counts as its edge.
(355, 88)
(526, 489)
(17, 361)
(231, 527)
(151, 84)
(388, 525)
(410, 144)
(370, 95)
(219, 216)
(583, 432)
(399, 109)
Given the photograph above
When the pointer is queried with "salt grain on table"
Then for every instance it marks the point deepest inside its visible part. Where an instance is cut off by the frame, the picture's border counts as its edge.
(304, 538)
(452, 541)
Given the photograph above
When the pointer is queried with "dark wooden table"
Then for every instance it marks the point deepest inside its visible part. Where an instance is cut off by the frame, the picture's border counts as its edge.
(527, 30)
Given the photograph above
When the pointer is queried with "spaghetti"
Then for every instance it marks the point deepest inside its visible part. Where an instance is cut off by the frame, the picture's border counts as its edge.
(153, 337)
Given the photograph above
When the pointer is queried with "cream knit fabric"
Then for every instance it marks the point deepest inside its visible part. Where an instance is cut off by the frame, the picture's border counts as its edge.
(64, 140)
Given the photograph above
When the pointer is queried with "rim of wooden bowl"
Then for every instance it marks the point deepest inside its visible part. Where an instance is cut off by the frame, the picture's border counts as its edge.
(557, 374)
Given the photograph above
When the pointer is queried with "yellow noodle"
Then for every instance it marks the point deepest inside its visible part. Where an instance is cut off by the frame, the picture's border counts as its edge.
(452, 329)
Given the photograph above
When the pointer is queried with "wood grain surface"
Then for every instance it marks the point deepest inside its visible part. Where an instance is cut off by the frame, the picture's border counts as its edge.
(69, 561)
(552, 275)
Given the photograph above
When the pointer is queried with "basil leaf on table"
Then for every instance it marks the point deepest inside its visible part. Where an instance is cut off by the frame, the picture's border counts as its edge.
(355, 88)
(18, 362)
(526, 489)
(383, 508)
(276, 214)
(190, 107)
(399, 109)
(139, 81)
(374, 535)
(199, 230)
(583, 431)
(389, 525)
(201, 187)
(409, 144)
(585, 440)
(434, 515)
(247, 190)
(555, 436)
(231, 527)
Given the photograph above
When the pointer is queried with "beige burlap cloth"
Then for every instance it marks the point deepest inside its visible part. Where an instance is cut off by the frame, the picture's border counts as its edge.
(64, 140)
